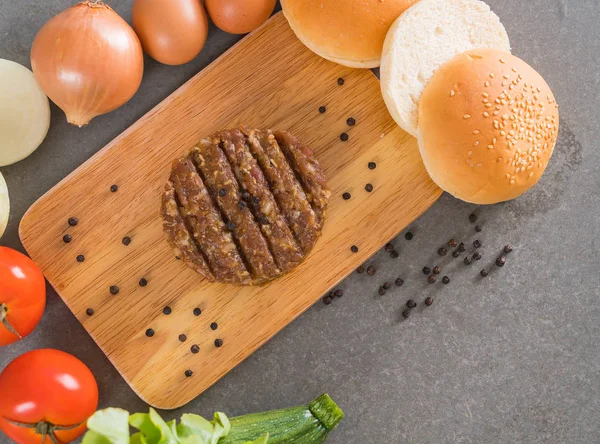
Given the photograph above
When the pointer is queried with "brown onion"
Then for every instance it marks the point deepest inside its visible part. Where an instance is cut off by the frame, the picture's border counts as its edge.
(88, 60)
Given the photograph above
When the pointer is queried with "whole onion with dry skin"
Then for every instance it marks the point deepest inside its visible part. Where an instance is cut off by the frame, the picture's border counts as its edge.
(88, 60)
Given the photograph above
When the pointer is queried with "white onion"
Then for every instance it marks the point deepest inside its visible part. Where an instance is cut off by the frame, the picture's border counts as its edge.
(4, 205)
(24, 113)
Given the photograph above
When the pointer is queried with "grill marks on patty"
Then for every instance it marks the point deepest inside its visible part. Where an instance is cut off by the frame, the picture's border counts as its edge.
(244, 207)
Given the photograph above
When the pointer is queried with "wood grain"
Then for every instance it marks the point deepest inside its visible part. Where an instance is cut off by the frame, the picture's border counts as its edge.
(268, 80)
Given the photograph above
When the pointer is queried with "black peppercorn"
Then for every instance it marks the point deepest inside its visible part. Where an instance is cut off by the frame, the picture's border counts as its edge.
(182, 338)
(167, 311)
(214, 326)
(322, 109)
(246, 195)
(340, 81)
(197, 312)
(445, 280)
(114, 188)
(432, 279)
(80, 258)
(406, 314)
(256, 200)
(426, 270)
(371, 270)
(188, 373)
(399, 282)
(149, 332)
(126, 240)
(381, 291)
(89, 312)
(508, 249)
(344, 137)
(387, 285)
(222, 192)
(143, 282)
(461, 247)
(477, 256)
(477, 244)
(500, 261)
(408, 236)
(327, 300)
(263, 220)
(346, 196)
(472, 218)
(483, 273)
(411, 303)
(369, 187)
(452, 243)
(455, 253)
(194, 349)
(478, 228)
(177, 258)
(437, 270)
(429, 302)
(354, 249)
(242, 204)
(442, 251)
(339, 293)
(67, 238)
(360, 270)
(114, 289)
(351, 121)
(73, 221)
(468, 260)
(218, 342)
(394, 254)
(231, 225)
(372, 165)
(389, 248)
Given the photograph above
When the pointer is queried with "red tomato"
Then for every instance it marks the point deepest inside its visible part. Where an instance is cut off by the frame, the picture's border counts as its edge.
(22, 295)
(46, 388)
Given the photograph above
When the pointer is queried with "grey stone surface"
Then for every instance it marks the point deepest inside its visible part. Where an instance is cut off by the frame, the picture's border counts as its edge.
(511, 358)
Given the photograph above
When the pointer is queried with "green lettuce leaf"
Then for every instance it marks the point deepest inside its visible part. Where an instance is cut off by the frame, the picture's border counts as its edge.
(197, 426)
(108, 426)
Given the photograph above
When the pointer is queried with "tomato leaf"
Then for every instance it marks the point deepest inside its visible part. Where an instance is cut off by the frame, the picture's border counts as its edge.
(109, 426)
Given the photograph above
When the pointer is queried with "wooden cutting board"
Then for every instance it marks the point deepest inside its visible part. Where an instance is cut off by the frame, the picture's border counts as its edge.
(268, 80)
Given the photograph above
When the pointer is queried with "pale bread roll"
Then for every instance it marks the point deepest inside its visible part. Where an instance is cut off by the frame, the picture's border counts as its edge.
(425, 37)
(348, 32)
(488, 123)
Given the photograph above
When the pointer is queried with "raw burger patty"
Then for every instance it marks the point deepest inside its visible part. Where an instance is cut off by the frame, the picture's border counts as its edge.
(245, 206)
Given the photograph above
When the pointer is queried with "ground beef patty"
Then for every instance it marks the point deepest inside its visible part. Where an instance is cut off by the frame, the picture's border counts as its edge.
(245, 206)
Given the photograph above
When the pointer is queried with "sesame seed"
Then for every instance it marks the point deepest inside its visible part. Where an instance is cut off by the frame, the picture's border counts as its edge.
(452, 93)
(486, 84)
(476, 132)
(466, 116)
(492, 75)
(514, 69)
(486, 95)
(486, 114)
(512, 182)
(491, 147)
(469, 153)
(502, 61)
(476, 143)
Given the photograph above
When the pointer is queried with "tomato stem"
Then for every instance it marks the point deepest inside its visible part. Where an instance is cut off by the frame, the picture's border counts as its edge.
(4, 321)
(44, 428)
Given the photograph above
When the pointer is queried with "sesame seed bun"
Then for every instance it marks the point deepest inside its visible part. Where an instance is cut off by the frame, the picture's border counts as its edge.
(348, 32)
(488, 123)
(425, 37)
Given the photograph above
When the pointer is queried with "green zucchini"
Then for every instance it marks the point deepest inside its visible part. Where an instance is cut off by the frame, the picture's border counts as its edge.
(307, 424)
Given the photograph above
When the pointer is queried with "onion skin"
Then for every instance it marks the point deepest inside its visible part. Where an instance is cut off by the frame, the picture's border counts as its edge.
(88, 61)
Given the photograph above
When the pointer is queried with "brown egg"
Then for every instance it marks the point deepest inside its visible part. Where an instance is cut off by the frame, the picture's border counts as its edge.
(172, 32)
(239, 16)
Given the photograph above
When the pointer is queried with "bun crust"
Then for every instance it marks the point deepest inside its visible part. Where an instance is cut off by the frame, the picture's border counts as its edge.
(488, 123)
(348, 32)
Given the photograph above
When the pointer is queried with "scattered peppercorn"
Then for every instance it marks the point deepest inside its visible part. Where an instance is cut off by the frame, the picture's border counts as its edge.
(73, 221)
(468, 260)
(263, 220)
(80, 258)
(231, 225)
(344, 137)
(406, 314)
(432, 279)
(67, 238)
(477, 256)
(327, 300)
(399, 282)
(222, 192)
(214, 326)
(429, 302)
(167, 311)
(500, 261)
(339, 293)
(114, 289)
(369, 187)
(442, 251)
(149, 332)
(346, 196)
(389, 248)
(177, 258)
(394, 254)
(90, 312)
(371, 270)
(143, 282)
(472, 218)
(246, 195)
(381, 291)
(340, 81)
(408, 235)
(508, 249)
(126, 240)
(256, 200)
(322, 109)
(445, 280)
(411, 304)
(114, 188)
(477, 243)
(478, 228)
(242, 205)
(483, 273)
(452, 243)
(197, 312)
(387, 285)
(194, 349)
(426, 270)
(188, 373)
(354, 249)
(182, 338)
(218, 342)
(455, 253)
(360, 270)
(437, 270)
(351, 121)
(461, 247)
(372, 165)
